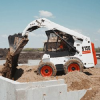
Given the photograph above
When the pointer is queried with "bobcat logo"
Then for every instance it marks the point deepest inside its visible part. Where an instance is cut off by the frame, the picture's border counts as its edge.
(86, 49)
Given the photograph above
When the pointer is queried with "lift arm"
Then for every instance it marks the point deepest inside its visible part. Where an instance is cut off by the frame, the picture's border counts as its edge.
(43, 22)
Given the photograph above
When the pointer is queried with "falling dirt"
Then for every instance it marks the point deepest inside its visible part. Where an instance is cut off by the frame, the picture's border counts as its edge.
(6, 70)
(1, 66)
(10, 65)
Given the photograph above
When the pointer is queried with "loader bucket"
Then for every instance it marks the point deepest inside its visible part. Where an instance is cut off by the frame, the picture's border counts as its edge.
(16, 43)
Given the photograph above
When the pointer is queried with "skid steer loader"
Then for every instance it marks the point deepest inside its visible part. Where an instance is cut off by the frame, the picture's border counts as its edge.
(64, 49)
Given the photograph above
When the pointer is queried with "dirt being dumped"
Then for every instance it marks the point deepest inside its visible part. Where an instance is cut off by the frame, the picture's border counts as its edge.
(1, 66)
(89, 79)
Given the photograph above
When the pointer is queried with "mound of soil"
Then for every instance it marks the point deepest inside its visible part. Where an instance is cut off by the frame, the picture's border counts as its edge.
(93, 94)
(1, 66)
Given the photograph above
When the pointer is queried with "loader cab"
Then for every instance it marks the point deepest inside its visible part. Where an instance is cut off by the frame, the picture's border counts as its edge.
(57, 44)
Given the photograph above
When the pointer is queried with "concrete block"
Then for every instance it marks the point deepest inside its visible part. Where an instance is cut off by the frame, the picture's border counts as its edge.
(72, 95)
(81, 93)
(75, 95)
(7, 89)
(98, 63)
(2, 62)
(56, 92)
(11, 90)
(43, 90)
(33, 62)
(23, 64)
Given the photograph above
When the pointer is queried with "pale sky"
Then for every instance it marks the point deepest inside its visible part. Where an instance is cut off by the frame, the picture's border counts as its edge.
(82, 16)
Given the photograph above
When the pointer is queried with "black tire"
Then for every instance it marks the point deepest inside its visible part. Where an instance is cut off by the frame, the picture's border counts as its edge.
(46, 69)
(73, 65)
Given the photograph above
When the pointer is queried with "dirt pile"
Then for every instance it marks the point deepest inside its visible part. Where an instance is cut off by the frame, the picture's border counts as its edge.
(93, 94)
(77, 80)
(27, 74)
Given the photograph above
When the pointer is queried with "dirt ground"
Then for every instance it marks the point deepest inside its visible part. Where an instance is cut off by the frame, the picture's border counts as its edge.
(89, 79)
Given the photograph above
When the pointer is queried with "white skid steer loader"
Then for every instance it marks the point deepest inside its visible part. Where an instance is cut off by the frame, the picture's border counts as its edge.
(65, 49)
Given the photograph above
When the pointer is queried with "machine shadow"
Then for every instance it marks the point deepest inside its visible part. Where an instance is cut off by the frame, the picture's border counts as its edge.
(87, 73)
(60, 73)
(18, 74)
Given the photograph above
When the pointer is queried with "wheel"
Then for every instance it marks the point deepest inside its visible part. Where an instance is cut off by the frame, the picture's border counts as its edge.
(73, 65)
(46, 69)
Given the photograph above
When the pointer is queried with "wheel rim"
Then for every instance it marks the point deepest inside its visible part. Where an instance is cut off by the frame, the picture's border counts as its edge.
(46, 71)
(73, 67)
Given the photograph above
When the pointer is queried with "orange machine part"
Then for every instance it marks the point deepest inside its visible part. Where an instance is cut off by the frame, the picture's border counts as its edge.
(85, 52)
(94, 53)
(73, 67)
